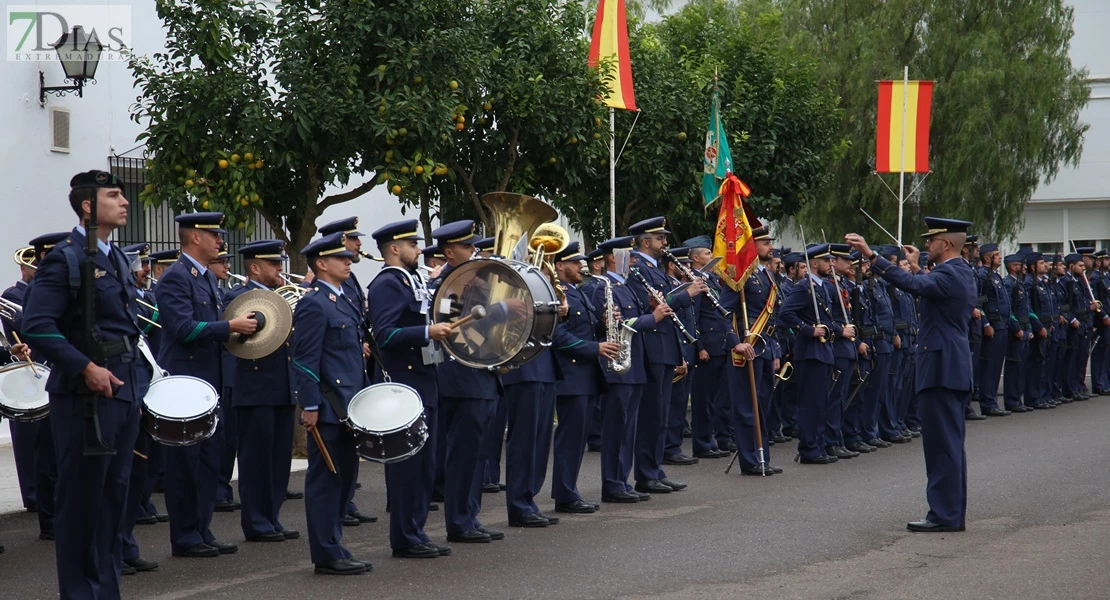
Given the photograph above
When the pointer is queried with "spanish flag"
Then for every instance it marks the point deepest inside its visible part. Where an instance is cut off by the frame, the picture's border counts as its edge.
(734, 241)
(610, 41)
(918, 99)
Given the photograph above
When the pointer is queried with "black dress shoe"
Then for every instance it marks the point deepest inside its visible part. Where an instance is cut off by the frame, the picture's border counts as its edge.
(141, 565)
(712, 454)
(1066, 400)
(198, 551)
(727, 446)
(494, 534)
(470, 536)
(879, 443)
(1021, 408)
(897, 440)
(842, 452)
(433, 507)
(927, 526)
(291, 495)
(772, 468)
(1041, 406)
(365, 563)
(816, 460)
(914, 433)
(147, 520)
(126, 569)
(443, 550)
(643, 496)
(224, 507)
(417, 551)
(349, 521)
(653, 486)
(490, 488)
(620, 498)
(677, 486)
(531, 520)
(996, 412)
(291, 534)
(223, 548)
(972, 416)
(46, 535)
(756, 471)
(859, 447)
(343, 566)
(363, 518)
(686, 433)
(551, 520)
(269, 536)
(680, 459)
(162, 518)
(578, 507)
(501, 487)
(779, 439)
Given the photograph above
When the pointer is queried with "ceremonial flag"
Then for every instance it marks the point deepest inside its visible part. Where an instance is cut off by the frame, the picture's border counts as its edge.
(917, 97)
(610, 41)
(733, 241)
(717, 160)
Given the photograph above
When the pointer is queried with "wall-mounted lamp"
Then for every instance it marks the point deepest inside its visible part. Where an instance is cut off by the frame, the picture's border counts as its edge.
(79, 54)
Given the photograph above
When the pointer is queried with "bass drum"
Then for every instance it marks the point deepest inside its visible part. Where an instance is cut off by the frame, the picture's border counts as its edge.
(521, 311)
(23, 396)
(388, 422)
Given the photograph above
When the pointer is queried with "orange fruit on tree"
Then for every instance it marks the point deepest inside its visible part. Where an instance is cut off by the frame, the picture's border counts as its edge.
(396, 190)
(234, 158)
(419, 170)
(223, 163)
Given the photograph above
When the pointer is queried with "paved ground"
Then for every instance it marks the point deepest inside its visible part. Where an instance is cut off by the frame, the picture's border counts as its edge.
(1038, 527)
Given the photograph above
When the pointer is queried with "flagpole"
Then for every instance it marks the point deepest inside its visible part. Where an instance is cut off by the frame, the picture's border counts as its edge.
(902, 162)
(612, 173)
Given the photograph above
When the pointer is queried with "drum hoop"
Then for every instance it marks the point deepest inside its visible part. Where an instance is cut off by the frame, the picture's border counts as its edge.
(522, 284)
(44, 372)
(215, 406)
(353, 425)
(41, 368)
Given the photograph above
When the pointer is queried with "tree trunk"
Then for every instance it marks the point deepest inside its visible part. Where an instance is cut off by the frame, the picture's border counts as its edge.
(426, 215)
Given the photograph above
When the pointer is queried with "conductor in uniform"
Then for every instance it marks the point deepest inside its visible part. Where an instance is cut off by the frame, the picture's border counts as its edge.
(404, 336)
(264, 411)
(327, 371)
(191, 344)
(948, 295)
(105, 374)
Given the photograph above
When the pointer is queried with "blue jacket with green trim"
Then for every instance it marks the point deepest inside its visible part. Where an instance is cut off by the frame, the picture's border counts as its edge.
(192, 333)
(578, 356)
(400, 332)
(326, 350)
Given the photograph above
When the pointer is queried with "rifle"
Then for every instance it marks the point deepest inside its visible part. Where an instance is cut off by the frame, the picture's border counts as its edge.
(95, 447)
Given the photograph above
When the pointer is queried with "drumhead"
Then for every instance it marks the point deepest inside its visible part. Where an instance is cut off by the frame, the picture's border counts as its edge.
(20, 390)
(181, 397)
(506, 290)
(384, 407)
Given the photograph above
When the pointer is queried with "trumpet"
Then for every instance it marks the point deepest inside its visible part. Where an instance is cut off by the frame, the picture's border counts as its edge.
(291, 278)
(25, 257)
(238, 277)
(10, 310)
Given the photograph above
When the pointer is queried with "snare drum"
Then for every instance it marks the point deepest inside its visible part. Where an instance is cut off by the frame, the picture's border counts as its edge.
(23, 396)
(388, 422)
(180, 410)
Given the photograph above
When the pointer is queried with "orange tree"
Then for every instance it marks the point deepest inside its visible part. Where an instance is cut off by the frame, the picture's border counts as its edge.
(255, 111)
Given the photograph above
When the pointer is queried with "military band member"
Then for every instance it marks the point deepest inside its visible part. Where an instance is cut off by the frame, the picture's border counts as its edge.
(24, 434)
(677, 426)
(595, 262)
(327, 370)
(943, 378)
(664, 350)
(399, 300)
(761, 300)
(621, 399)
(225, 498)
(709, 394)
(191, 344)
(1081, 318)
(807, 312)
(434, 259)
(970, 255)
(162, 261)
(91, 490)
(996, 312)
(782, 421)
(1100, 356)
(901, 308)
(1059, 375)
(1042, 312)
(582, 381)
(844, 352)
(855, 413)
(467, 400)
(1019, 332)
(878, 392)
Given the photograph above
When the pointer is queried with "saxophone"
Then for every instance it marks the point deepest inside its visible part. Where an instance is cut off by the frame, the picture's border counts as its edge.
(617, 332)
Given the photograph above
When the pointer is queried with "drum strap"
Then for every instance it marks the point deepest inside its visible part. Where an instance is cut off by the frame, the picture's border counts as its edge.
(337, 405)
(144, 349)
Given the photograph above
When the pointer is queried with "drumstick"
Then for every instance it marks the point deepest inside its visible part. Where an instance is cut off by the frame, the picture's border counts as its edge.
(323, 449)
(476, 313)
(140, 454)
(27, 361)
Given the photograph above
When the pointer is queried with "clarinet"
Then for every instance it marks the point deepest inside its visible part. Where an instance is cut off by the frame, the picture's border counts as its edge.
(662, 300)
(689, 273)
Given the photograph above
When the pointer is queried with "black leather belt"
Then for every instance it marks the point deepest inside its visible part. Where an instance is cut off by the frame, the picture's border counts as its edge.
(117, 347)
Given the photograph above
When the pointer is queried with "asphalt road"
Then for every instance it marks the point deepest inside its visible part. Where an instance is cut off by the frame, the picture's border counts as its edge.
(1038, 525)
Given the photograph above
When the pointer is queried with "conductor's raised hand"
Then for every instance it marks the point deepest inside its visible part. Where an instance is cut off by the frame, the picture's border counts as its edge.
(857, 242)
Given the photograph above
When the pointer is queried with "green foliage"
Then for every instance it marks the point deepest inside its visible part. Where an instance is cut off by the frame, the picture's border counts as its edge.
(1005, 108)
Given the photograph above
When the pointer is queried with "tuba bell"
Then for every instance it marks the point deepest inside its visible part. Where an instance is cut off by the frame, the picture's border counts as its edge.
(548, 240)
(516, 217)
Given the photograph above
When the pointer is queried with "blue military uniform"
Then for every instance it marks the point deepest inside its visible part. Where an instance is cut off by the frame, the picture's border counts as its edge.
(878, 395)
(582, 381)
(855, 411)
(593, 439)
(466, 405)
(264, 411)
(1020, 333)
(91, 490)
(844, 353)
(399, 315)
(664, 350)
(943, 377)
(624, 391)
(327, 370)
(229, 425)
(680, 390)
(996, 313)
(1042, 321)
(813, 358)
(192, 334)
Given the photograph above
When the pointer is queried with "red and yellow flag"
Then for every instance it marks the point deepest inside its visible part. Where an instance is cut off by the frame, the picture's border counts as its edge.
(733, 241)
(918, 99)
(610, 41)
